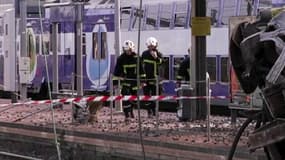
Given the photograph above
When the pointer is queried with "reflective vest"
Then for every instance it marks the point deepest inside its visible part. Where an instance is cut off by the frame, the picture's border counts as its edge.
(126, 68)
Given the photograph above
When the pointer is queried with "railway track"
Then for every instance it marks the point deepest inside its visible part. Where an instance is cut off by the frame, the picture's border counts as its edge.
(78, 144)
(12, 156)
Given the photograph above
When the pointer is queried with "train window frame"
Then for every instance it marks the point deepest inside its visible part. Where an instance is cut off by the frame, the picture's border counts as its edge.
(225, 78)
(213, 77)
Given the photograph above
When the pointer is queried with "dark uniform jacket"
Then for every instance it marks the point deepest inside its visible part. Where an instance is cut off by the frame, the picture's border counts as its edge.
(151, 64)
(184, 70)
(126, 68)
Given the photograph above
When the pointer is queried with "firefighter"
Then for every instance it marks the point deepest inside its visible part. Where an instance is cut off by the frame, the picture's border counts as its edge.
(126, 70)
(151, 58)
(184, 70)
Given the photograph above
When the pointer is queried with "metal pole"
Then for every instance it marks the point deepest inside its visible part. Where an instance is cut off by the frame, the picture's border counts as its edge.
(138, 81)
(78, 49)
(55, 58)
(72, 84)
(199, 52)
(22, 27)
(193, 63)
(111, 102)
(157, 104)
(118, 104)
(208, 92)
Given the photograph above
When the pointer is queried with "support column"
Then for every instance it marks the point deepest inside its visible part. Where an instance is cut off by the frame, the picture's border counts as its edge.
(54, 57)
(118, 104)
(22, 10)
(78, 49)
(198, 61)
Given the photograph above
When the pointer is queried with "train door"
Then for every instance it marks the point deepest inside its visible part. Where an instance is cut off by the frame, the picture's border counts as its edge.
(31, 47)
(97, 58)
(9, 49)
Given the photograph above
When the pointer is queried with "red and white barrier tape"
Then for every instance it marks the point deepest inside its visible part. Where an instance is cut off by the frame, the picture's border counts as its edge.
(113, 98)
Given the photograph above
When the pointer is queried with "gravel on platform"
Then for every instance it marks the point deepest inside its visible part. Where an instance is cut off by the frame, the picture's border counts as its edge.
(169, 128)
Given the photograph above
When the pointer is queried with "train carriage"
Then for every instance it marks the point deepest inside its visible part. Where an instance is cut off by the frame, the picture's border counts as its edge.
(168, 22)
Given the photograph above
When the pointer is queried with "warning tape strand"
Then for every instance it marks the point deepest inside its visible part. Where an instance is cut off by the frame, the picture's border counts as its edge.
(114, 98)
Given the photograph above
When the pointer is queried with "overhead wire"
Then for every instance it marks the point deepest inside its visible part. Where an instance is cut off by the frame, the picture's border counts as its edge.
(48, 84)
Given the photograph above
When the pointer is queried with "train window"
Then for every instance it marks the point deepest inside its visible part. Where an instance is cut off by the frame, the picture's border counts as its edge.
(50, 40)
(30, 44)
(1, 34)
(211, 68)
(135, 19)
(94, 46)
(1, 52)
(176, 63)
(164, 68)
(45, 44)
(151, 17)
(6, 29)
(67, 52)
(59, 38)
(125, 16)
(37, 44)
(165, 15)
(224, 69)
(99, 49)
(180, 17)
(104, 48)
(1, 29)
(83, 43)
(68, 44)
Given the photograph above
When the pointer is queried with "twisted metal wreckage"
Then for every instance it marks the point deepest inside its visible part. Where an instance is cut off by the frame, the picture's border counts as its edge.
(257, 52)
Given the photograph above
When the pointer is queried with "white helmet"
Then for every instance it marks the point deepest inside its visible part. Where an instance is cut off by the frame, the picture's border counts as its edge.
(128, 45)
(151, 41)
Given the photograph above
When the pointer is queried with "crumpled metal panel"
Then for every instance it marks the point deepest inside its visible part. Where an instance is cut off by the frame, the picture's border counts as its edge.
(267, 134)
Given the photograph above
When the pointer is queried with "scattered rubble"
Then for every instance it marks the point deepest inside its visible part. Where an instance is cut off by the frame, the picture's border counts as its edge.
(169, 129)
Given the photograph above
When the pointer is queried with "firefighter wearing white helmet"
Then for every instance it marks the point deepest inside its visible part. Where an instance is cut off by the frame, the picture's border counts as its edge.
(125, 70)
(128, 46)
(151, 58)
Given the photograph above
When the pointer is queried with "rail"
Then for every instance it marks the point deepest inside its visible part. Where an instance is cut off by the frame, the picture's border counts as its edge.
(9, 154)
